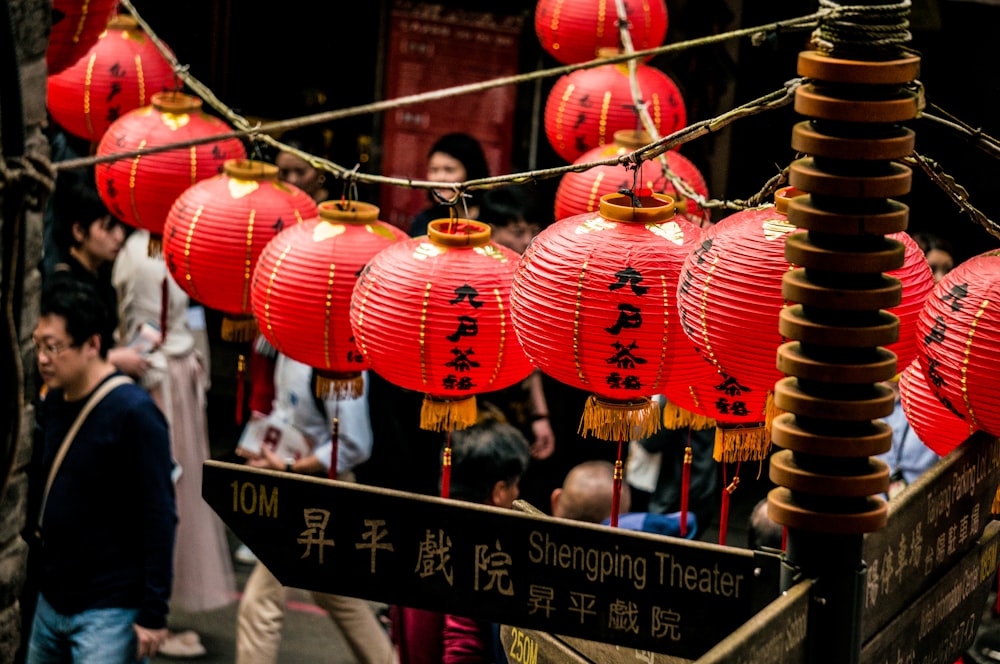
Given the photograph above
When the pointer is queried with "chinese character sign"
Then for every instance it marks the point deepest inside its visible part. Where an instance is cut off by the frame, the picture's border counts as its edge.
(959, 333)
(432, 314)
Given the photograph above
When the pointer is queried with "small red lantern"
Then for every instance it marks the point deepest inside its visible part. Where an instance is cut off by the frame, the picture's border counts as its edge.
(593, 305)
(302, 289)
(216, 230)
(582, 192)
(140, 190)
(76, 25)
(937, 427)
(432, 314)
(585, 108)
(575, 30)
(731, 293)
(118, 74)
(959, 334)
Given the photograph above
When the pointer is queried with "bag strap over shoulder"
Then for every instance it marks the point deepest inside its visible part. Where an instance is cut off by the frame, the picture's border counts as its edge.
(94, 399)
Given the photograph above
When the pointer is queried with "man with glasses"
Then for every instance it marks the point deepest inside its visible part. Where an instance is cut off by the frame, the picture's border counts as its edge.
(106, 515)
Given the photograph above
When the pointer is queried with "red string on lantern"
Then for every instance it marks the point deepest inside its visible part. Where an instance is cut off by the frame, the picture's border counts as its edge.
(959, 335)
(574, 31)
(584, 109)
(118, 74)
(581, 192)
(140, 190)
(76, 25)
(302, 289)
(432, 314)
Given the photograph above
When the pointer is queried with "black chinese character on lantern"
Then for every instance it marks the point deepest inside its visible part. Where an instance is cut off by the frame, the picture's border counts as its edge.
(629, 316)
(114, 91)
(466, 292)
(462, 361)
(114, 112)
(937, 332)
(467, 327)
(629, 277)
(737, 408)
(453, 382)
(933, 374)
(731, 387)
(700, 252)
(957, 293)
(623, 357)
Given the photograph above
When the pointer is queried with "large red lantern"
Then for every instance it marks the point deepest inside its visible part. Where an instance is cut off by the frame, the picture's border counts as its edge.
(731, 293)
(76, 25)
(959, 334)
(576, 30)
(118, 74)
(582, 192)
(302, 289)
(216, 230)
(594, 307)
(937, 427)
(140, 190)
(585, 108)
(432, 314)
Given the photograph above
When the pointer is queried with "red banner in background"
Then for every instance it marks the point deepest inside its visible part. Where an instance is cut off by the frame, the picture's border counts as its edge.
(432, 47)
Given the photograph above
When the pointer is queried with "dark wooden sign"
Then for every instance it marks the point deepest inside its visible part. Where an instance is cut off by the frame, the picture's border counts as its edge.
(633, 589)
(942, 623)
(932, 524)
(529, 646)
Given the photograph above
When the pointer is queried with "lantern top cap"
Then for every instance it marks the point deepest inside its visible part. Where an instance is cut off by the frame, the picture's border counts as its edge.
(458, 233)
(123, 22)
(348, 212)
(250, 169)
(783, 195)
(632, 139)
(605, 52)
(173, 101)
(655, 208)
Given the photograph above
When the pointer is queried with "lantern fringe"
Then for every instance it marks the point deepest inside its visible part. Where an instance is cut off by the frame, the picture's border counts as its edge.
(675, 417)
(340, 387)
(749, 442)
(447, 415)
(619, 420)
(238, 329)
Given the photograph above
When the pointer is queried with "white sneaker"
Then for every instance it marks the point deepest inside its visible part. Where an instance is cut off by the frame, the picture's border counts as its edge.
(244, 555)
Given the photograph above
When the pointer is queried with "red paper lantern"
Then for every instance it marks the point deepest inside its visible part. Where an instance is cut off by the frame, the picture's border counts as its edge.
(76, 25)
(585, 108)
(303, 283)
(582, 192)
(118, 74)
(936, 426)
(140, 190)
(959, 334)
(731, 293)
(217, 228)
(594, 307)
(575, 30)
(432, 314)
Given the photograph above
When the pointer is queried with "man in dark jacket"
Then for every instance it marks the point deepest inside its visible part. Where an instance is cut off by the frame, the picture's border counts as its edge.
(106, 516)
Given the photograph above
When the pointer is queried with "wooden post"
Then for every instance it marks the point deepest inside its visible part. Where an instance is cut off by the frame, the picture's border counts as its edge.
(858, 92)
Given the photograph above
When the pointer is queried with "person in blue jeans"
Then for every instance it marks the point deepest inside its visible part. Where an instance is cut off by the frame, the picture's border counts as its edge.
(104, 510)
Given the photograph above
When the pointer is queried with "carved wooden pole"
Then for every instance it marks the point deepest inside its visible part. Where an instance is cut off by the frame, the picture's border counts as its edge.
(859, 90)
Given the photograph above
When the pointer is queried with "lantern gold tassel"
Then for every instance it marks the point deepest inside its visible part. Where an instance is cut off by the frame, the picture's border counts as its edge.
(238, 329)
(675, 417)
(339, 386)
(447, 414)
(616, 420)
(742, 443)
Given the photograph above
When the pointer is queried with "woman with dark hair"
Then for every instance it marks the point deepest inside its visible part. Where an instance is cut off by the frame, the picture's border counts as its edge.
(454, 157)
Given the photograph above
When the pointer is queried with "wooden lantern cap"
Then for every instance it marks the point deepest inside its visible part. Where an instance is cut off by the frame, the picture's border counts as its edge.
(250, 169)
(458, 233)
(652, 209)
(123, 22)
(632, 139)
(783, 195)
(173, 101)
(348, 212)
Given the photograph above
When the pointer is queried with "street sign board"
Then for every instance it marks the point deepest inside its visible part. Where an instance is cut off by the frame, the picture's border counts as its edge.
(931, 525)
(942, 623)
(528, 646)
(638, 590)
